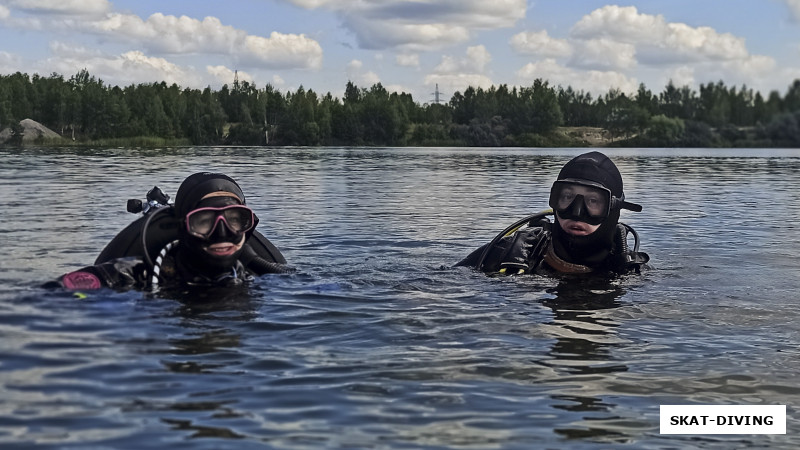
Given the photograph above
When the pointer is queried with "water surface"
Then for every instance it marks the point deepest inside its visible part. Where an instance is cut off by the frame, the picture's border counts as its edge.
(377, 341)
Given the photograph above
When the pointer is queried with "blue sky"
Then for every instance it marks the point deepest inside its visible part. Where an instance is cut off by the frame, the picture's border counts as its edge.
(408, 46)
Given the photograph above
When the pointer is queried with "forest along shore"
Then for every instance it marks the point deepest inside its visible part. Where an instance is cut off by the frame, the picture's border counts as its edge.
(86, 111)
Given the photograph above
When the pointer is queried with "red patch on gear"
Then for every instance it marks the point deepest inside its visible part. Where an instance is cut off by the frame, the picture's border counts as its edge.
(81, 280)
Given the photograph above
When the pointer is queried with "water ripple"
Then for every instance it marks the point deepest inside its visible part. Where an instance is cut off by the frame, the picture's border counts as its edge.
(377, 341)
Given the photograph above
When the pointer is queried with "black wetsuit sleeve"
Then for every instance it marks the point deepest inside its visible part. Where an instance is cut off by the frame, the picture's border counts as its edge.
(520, 251)
(472, 259)
(493, 258)
(120, 273)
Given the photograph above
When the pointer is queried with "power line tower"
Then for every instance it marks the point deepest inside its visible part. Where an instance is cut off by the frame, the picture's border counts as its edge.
(436, 95)
(236, 80)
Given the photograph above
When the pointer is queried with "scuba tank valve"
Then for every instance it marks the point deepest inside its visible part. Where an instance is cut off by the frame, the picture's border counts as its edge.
(156, 198)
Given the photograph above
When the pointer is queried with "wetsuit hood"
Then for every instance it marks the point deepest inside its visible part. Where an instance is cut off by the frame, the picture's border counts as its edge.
(198, 185)
(192, 259)
(591, 250)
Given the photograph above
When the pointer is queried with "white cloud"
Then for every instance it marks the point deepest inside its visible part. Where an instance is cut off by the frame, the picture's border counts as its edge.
(407, 60)
(4, 12)
(620, 38)
(368, 79)
(224, 75)
(656, 41)
(540, 43)
(64, 50)
(419, 25)
(396, 88)
(476, 60)
(354, 66)
(547, 69)
(450, 83)
(755, 71)
(131, 67)
(623, 23)
(416, 37)
(794, 7)
(683, 76)
(166, 34)
(704, 42)
(68, 7)
(137, 62)
(8, 62)
(278, 81)
(171, 34)
(753, 66)
(604, 54)
(456, 74)
(359, 77)
(478, 57)
(470, 13)
(448, 65)
(283, 51)
(594, 81)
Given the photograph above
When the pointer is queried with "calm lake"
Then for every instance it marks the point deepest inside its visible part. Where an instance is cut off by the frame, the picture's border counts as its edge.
(377, 341)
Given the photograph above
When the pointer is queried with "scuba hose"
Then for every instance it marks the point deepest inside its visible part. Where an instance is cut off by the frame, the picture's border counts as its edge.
(635, 238)
(510, 230)
(625, 257)
(259, 265)
(146, 226)
(621, 238)
(157, 265)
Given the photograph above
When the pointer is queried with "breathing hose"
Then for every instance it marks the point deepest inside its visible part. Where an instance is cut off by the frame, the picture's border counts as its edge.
(510, 229)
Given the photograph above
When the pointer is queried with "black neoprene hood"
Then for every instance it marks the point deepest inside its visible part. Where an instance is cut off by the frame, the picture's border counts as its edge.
(198, 185)
(595, 167)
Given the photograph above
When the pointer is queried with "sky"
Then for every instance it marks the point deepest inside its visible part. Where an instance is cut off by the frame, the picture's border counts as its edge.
(409, 46)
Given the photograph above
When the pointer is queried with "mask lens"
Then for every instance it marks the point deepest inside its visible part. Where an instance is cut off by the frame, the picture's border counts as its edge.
(239, 219)
(203, 221)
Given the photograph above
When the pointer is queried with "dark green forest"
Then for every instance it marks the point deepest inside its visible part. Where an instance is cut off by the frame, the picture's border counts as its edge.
(85, 110)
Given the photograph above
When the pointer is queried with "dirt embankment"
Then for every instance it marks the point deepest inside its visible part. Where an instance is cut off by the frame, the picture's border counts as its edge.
(590, 136)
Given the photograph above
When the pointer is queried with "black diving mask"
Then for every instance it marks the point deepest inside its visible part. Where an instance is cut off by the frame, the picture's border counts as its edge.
(586, 201)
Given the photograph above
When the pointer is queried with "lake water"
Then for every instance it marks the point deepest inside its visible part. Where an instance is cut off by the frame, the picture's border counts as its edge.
(376, 341)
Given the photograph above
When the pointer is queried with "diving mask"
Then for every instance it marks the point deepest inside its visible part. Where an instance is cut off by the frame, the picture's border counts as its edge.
(202, 222)
(585, 201)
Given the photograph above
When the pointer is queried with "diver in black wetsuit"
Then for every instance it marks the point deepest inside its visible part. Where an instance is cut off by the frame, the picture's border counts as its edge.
(206, 239)
(586, 236)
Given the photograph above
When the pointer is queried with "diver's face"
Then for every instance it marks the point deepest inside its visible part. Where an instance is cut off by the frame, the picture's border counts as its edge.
(223, 249)
(576, 228)
(222, 242)
(594, 203)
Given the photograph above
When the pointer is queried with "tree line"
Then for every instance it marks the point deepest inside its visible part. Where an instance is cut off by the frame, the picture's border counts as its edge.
(85, 109)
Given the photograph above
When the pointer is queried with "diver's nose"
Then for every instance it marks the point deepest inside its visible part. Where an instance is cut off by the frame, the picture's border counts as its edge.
(221, 231)
(576, 208)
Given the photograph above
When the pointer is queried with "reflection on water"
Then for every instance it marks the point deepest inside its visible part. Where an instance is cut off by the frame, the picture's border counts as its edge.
(377, 340)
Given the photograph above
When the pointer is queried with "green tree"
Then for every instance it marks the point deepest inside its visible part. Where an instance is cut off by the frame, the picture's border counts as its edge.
(665, 131)
(538, 110)
(625, 117)
(382, 123)
(715, 105)
(791, 101)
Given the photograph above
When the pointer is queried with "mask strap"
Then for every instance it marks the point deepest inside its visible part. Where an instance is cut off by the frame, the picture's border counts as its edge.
(222, 194)
(618, 203)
